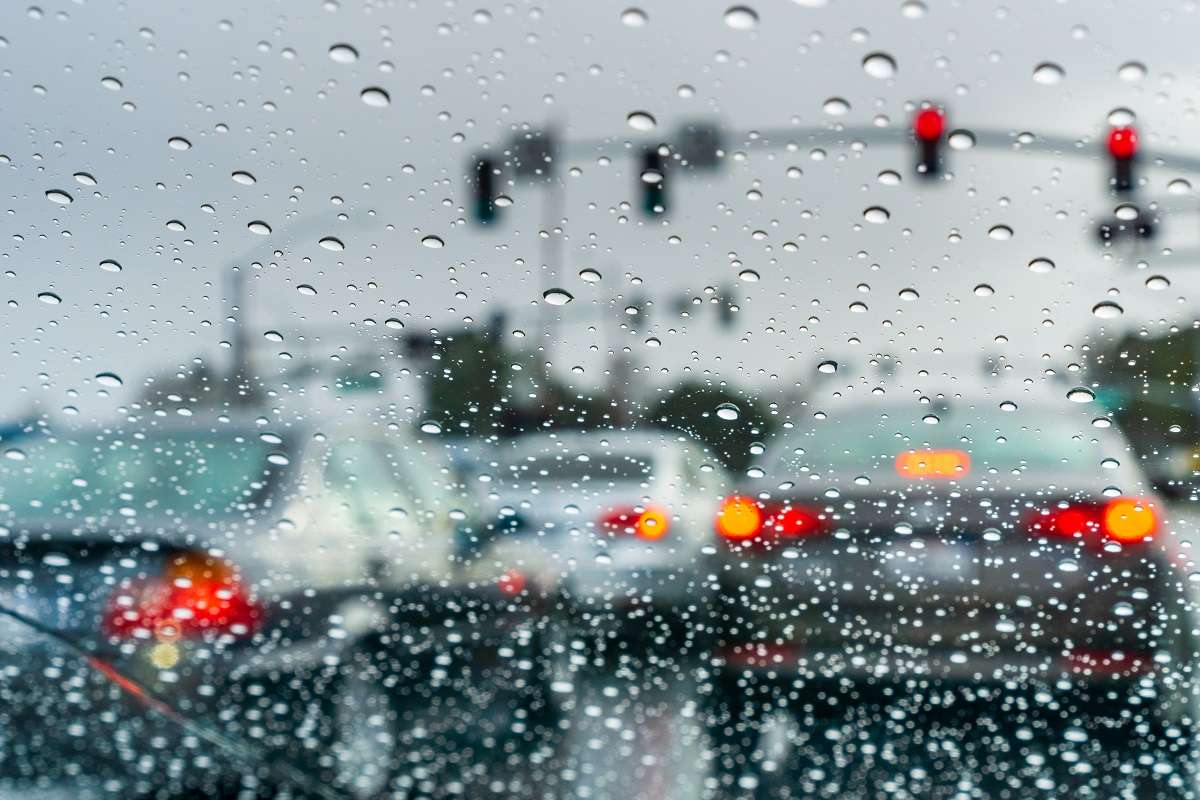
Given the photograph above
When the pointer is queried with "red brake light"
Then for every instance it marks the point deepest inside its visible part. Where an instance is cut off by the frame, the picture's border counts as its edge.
(1124, 519)
(933, 464)
(645, 522)
(928, 124)
(1123, 142)
(196, 594)
(744, 519)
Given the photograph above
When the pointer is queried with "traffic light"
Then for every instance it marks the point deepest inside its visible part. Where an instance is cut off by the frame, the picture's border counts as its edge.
(652, 182)
(1122, 149)
(929, 129)
(483, 190)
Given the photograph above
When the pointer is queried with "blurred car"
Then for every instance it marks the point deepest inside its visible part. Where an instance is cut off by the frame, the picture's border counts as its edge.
(229, 602)
(614, 521)
(1007, 564)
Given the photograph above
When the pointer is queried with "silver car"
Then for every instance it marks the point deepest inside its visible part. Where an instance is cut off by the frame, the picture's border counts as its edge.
(616, 521)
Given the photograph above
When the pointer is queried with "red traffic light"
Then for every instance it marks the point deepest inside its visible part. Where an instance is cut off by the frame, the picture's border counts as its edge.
(929, 124)
(1123, 142)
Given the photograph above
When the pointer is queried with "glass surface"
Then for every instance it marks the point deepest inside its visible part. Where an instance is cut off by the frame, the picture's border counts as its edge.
(579, 401)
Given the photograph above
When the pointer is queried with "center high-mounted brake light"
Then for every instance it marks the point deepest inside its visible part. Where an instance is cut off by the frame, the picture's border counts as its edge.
(1124, 519)
(744, 519)
(195, 595)
(644, 522)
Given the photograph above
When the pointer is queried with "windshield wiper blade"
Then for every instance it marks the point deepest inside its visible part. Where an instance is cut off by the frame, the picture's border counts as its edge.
(242, 751)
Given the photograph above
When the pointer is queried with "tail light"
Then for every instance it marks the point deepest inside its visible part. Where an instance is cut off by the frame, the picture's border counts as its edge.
(742, 519)
(195, 595)
(645, 522)
(1126, 520)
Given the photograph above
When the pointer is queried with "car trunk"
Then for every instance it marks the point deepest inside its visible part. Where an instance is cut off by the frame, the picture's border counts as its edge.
(952, 575)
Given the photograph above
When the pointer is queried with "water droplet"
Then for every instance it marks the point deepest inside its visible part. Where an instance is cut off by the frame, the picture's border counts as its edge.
(393, 323)
(827, 367)
(1121, 116)
(179, 143)
(909, 294)
(1001, 233)
(879, 65)
(273, 336)
(634, 18)
(741, 18)
(1008, 405)
(1179, 186)
(930, 419)
(375, 97)
(49, 298)
(306, 290)
(1157, 282)
(652, 176)
(889, 178)
(983, 290)
(108, 265)
(332, 243)
(836, 107)
(60, 197)
(111, 83)
(748, 275)
(1121, 609)
(243, 177)
(433, 242)
(13, 454)
(1041, 265)
(84, 179)
(728, 412)
(1107, 310)
(1102, 422)
(876, 215)
(1126, 212)
(431, 427)
(176, 225)
(278, 459)
(1068, 565)
(343, 54)
(653, 341)
(858, 307)
(961, 139)
(259, 227)
(1081, 394)
(557, 297)
(1048, 73)
(589, 275)
(1131, 71)
(110, 380)
(913, 9)
(641, 121)
(1109, 463)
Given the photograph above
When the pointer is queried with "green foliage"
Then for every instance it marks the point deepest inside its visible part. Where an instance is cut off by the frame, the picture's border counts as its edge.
(692, 409)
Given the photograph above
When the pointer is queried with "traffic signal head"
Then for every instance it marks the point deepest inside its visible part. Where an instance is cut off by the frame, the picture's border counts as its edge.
(929, 130)
(483, 190)
(652, 182)
(1122, 151)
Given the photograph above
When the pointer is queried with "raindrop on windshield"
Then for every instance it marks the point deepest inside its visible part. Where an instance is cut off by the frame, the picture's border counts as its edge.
(242, 177)
(741, 18)
(110, 380)
(557, 297)
(876, 215)
(728, 412)
(375, 97)
(259, 227)
(961, 140)
(641, 121)
(1157, 282)
(1048, 73)
(836, 107)
(634, 18)
(1041, 265)
(179, 143)
(108, 265)
(1107, 310)
(827, 367)
(50, 298)
(343, 54)
(1131, 71)
(879, 65)
(59, 196)
(1000, 233)
(433, 242)
(1081, 394)
(589, 275)
(431, 427)
(332, 243)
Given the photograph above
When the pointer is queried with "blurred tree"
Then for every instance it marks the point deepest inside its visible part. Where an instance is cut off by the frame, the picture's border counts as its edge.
(1147, 383)
(692, 409)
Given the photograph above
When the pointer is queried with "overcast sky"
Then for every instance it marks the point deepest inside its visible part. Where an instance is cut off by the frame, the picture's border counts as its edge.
(102, 89)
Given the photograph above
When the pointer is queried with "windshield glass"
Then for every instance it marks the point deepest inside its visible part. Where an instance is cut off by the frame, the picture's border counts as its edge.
(429, 400)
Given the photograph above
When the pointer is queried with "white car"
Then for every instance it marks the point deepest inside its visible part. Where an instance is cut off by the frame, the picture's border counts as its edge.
(612, 520)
